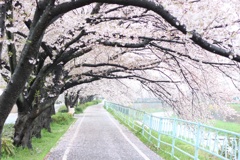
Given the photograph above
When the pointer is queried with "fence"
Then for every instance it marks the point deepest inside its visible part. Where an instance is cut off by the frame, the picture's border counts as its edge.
(205, 142)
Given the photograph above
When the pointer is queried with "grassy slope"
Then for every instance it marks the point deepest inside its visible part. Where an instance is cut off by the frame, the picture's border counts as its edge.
(230, 126)
(42, 145)
(235, 106)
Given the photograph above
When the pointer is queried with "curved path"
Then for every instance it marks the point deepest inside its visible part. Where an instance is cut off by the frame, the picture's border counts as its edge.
(96, 135)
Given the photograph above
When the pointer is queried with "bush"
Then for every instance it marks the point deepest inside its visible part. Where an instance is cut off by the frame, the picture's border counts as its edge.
(8, 149)
(81, 107)
(78, 110)
(63, 109)
(8, 130)
(62, 118)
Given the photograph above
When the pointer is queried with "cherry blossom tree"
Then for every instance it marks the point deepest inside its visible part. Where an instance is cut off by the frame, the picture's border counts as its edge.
(38, 97)
(169, 57)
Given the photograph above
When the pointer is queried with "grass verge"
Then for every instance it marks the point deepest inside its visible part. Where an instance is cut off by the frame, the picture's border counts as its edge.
(235, 106)
(230, 126)
(80, 107)
(41, 146)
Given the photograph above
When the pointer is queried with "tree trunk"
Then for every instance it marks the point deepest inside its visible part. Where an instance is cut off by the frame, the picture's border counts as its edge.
(31, 124)
(2, 27)
(71, 99)
(35, 114)
(86, 99)
(22, 134)
(43, 121)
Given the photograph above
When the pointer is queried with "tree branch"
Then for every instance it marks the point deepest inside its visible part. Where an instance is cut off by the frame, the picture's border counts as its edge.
(126, 45)
(159, 9)
(188, 56)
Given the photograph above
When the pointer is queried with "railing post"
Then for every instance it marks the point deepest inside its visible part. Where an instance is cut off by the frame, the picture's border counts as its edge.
(143, 122)
(134, 118)
(128, 115)
(150, 128)
(119, 112)
(174, 125)
(238, 148)
(105, 104)
(197, 141)
(159, 132)
(125, 115)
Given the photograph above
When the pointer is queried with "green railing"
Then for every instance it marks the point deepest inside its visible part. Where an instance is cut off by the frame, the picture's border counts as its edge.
(218, 143)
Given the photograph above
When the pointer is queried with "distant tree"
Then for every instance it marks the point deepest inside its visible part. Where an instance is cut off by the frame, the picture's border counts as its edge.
(71, 99)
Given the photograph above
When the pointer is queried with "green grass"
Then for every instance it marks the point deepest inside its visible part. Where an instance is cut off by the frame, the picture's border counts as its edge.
(230, 126)
(151, 109)
(62, 118)
(63, 109)
(165, 150)
(8, 130)
(80, 107)
(235, 106)
(41, 146)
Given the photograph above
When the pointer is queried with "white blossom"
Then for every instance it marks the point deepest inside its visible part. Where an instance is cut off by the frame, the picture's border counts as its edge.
(32, 61)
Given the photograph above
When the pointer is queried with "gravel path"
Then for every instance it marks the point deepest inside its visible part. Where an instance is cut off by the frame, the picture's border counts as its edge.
(96, 135)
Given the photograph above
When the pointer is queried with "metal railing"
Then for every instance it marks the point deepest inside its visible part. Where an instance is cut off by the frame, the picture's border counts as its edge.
(204, 141)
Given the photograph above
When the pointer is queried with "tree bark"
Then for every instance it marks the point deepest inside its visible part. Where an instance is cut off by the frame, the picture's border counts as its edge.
(37, 116)
(86, 99)
(43, 122)
(22, 134)
(2, 25)
(2, 29)
(71, 99)
(29, 124)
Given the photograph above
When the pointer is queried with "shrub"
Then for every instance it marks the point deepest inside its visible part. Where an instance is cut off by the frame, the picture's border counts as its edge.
(8, 148)
(78, 110)
(81, 107)
(63, 109)
(8, 130)
(62, 118)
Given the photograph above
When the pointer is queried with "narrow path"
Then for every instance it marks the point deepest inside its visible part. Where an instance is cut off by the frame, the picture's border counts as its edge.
(98, 136)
